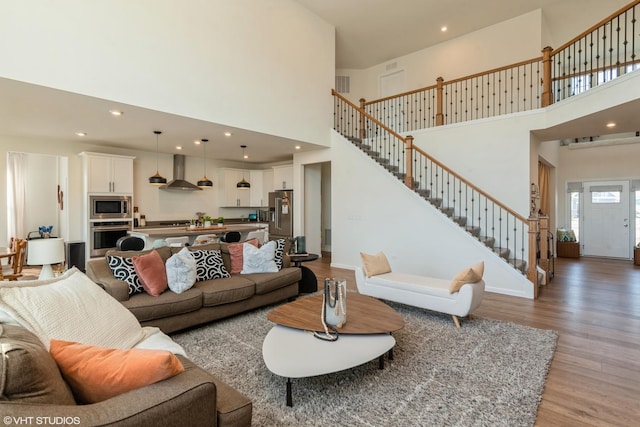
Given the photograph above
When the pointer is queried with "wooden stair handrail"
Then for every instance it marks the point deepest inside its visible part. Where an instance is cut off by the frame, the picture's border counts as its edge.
(501, 205)
(437, 162)
(367, 115)
(495, 70)
(596, 26)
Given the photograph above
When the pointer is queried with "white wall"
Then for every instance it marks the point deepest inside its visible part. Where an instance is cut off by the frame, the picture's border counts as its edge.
(215, 60)
(493, 154)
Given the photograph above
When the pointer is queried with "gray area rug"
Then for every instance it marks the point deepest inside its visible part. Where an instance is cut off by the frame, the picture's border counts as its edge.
(488, 373)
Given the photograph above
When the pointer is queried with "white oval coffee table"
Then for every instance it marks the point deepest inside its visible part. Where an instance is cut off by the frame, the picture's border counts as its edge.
(290, 350)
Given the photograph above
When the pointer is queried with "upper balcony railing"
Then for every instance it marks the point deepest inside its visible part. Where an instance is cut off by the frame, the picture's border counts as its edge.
(605, 51)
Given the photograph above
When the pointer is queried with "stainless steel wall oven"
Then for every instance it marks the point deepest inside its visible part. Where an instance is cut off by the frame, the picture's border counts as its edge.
(103, 235)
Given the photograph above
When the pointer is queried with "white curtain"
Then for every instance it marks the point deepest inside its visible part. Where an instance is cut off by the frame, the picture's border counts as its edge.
(16, 168)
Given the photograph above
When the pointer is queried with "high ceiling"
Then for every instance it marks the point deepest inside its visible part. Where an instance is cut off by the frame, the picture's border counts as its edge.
(37, 112)
(370, 32)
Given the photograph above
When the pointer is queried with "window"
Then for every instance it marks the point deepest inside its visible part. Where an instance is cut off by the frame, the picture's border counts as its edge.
(637, 217)
(599, 197)
(574, 198)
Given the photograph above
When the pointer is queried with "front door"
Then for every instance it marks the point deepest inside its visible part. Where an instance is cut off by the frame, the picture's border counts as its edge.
(606, 226)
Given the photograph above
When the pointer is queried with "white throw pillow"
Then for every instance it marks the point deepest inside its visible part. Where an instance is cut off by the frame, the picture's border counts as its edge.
(259, 260)
(71, 307)
(181, 271)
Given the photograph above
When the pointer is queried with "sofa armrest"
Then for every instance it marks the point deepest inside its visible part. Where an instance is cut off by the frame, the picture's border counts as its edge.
(98, 270)
(187, 399)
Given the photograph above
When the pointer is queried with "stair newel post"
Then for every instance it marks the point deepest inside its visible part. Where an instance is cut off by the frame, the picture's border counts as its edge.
(439, 102)
(408, 158)
(547, 94)
(544, 246)
(532, 272)
(363, 133)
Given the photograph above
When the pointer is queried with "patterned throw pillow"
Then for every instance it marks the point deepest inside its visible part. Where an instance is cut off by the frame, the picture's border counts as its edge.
(279, 253)
(124, 270)
(209, 265)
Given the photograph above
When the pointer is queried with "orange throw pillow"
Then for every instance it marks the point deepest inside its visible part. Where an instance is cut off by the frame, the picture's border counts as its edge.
(237, 259)
(97, 373)
(472, 274)
(152, 272)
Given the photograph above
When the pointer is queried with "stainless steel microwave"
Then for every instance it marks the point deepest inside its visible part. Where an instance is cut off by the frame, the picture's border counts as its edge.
(110, 207)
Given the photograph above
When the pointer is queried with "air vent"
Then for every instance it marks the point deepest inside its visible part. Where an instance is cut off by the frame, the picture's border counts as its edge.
(392, 66)
(343, 84)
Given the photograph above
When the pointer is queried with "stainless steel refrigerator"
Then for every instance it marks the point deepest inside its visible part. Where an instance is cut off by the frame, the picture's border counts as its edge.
(281, 215)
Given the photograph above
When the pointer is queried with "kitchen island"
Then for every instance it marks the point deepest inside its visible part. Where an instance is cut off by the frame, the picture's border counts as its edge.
(151, 234)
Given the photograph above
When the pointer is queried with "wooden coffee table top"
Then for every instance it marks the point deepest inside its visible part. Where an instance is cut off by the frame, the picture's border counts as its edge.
(365, 315)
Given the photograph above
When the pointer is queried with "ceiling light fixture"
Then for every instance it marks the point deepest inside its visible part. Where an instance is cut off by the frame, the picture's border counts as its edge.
(443, 28)
(205, 182)
(244, 184)
(116, 112)
(79, 133)
(157, 179)
(227, 134)
(611, 125)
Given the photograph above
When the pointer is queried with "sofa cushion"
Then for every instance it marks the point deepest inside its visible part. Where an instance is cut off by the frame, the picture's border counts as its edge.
(236, 254)
(259, 260)
(123, 269)
(28, 373)
(209, 265)
(224, 291)
(375, 264)
(97, 373)
(268, 282)
(151, 271)
(181, 271)
(471, 274)
(71, 307)
(145, 307)
(279, 253)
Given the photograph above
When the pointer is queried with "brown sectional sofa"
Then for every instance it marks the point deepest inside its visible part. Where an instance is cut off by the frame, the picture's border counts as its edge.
(207, 300)
(32, 390)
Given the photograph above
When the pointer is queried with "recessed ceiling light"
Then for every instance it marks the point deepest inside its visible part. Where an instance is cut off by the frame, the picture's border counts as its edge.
(227, 134)
(443, 28)
(297, 147)
(116, 112)
(81, 133)
(197, 142)
(178, 147)
(611, 125)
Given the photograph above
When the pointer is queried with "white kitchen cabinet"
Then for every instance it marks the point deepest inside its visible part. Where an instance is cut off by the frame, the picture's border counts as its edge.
(255, 196)
(105, 173)
(232, 195)
(283, 177)
(261, 183)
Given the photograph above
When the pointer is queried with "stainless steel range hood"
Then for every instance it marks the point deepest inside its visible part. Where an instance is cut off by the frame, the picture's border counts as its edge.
(178, 182)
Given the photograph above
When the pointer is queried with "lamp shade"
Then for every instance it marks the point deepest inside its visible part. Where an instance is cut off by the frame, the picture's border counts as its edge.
(45, 252)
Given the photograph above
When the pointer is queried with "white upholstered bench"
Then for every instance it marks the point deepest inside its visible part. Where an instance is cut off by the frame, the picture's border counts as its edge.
(421, 291)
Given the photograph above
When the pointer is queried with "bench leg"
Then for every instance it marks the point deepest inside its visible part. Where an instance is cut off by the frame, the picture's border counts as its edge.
(456, 321)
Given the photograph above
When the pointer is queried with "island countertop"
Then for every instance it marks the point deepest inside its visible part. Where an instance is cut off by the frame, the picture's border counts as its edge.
(160, 232)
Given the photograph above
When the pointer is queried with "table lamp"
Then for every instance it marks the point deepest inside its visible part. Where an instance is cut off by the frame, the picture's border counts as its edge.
(45, 252)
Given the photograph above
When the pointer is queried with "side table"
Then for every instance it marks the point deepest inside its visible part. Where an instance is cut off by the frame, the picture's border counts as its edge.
(308, 283)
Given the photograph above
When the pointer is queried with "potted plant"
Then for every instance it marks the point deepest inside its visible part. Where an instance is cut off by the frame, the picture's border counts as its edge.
(207, 221)
(192, 223)
(220, 221)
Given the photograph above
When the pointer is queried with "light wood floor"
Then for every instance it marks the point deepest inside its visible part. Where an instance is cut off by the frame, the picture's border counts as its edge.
(594, 304)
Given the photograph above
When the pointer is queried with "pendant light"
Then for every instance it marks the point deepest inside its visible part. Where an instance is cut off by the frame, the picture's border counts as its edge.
(244, 185)
(157, 179)
(205, 182)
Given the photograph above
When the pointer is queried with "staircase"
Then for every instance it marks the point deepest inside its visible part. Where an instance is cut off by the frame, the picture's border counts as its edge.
(442, 204)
